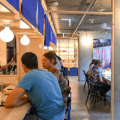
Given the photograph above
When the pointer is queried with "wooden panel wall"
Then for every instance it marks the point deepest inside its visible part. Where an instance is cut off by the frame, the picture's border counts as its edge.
(3, 53)
(36, 46)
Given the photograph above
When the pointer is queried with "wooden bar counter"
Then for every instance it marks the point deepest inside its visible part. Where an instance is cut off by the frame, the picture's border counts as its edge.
(16, 113)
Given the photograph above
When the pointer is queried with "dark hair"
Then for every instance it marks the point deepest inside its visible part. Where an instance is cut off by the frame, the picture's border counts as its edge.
(51, 56)
(59, 58)
(29, 59)
(96, 62)
(93, 61)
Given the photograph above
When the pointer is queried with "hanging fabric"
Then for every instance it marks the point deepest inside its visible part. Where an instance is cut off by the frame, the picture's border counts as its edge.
(15, 4)
(47, 32)
(40, 18)
(29, 10)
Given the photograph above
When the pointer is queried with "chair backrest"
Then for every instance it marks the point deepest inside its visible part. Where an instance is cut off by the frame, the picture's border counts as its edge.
(69, 99)
(86, 75)
(66, 80)
(94, 76)
(68, 105)
(64, 70)
(84, 72)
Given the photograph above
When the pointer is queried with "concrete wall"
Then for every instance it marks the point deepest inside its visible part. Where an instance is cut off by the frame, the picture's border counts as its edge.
(85, 53)
(86, 49)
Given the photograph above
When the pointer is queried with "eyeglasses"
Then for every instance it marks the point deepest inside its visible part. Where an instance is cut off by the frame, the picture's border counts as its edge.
(43, 61)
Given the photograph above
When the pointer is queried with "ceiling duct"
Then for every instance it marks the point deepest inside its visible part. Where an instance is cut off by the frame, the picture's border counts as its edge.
(88, 9)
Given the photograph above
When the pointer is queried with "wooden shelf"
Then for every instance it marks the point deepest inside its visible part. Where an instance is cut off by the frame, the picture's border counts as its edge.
(68, 53)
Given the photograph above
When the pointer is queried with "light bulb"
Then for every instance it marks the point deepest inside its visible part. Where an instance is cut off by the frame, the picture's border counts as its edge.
(45, 47)
(25, 40)
(55, 3)
(50, 48)
(6, 35)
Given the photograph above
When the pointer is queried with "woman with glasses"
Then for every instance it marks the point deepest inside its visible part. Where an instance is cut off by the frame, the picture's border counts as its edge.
(49, 62)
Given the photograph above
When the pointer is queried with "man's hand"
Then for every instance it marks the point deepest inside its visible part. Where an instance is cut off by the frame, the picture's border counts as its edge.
(16, 98)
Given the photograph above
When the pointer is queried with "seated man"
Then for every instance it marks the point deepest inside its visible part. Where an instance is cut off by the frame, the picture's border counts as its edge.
(97, 77)
(42, 90)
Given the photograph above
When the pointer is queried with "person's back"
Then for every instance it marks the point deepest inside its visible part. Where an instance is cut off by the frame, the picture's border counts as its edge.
(95, 73)
(90, 69)
(44, 93)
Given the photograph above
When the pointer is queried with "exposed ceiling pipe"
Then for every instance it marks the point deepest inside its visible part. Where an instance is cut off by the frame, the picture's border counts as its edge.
(89, 7)
(78, 12)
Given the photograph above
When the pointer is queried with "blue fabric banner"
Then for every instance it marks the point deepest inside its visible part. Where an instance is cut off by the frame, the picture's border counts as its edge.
(40, 18)
(15, 4)
(53, 38)
(29, 9)
(50, 33)
(47, 32)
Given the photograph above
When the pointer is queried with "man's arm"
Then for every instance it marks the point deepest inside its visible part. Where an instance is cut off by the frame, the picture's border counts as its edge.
(100, 79)
(16, 98)
(5, 66)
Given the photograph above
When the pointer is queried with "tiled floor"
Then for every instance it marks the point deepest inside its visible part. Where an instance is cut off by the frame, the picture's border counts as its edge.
(79, 111)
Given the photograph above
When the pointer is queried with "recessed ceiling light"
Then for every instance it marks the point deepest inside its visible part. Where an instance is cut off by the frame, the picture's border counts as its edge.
(55, 3)
(101, 9)
(69, 20)
(91, 20)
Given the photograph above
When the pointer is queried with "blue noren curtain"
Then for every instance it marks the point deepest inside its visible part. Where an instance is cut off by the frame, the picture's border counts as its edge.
(15, 4)
(29, 9)
(40, 18)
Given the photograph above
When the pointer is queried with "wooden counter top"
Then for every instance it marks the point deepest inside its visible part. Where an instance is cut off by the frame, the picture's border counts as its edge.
(16, 113)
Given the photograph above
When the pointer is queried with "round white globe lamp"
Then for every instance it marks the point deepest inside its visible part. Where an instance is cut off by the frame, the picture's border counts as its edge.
(6, 35)
(25, 40)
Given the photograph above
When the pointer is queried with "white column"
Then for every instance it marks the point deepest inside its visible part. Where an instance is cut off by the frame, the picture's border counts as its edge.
(85, 52)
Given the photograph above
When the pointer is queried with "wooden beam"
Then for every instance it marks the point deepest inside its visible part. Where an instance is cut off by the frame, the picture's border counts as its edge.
(19, 29)
(7, 15)
(12, 23)
(9, 6)
(33, 36)
(112, 61)
(78, 12)
(26, 21)
(67, 38)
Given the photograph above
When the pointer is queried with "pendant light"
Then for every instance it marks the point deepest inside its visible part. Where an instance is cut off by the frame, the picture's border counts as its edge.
(25, 40)
(6, 34)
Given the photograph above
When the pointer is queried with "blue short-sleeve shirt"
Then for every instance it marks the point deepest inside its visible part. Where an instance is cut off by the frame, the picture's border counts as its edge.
(44, 93)
(97, 72)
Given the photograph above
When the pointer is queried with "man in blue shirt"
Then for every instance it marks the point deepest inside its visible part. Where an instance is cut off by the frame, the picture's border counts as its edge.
(42, 90)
